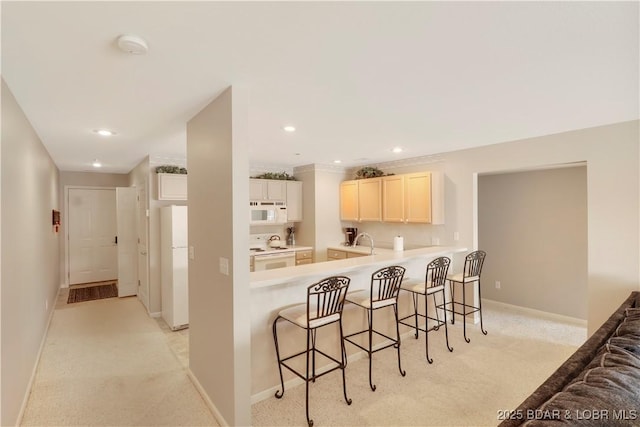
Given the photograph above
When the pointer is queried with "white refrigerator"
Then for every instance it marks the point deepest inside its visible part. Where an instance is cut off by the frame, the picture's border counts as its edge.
(175, 263)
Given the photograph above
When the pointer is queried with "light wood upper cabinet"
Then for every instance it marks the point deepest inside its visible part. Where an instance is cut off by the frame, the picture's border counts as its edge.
(408, 198)
(349, 201)
(294, 200)
(414, 198)
(360, 200)
(393, 198)
(418, 197)
(172, 186)
(370, 199)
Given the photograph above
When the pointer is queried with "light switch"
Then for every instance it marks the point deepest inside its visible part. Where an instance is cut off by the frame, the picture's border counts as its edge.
(456, 236)
(192, 253)
(224, 266)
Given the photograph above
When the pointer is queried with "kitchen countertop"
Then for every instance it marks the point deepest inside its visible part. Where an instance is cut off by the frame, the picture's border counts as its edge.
(312, 272)
(361, 249)
(286, 249)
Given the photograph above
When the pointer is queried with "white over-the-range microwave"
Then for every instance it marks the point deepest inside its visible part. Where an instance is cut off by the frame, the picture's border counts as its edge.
(267, 212)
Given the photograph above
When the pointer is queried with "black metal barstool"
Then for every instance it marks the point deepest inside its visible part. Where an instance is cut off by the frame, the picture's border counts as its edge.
(383, 292)
(325, 301)
(469, 275)
(434, 283)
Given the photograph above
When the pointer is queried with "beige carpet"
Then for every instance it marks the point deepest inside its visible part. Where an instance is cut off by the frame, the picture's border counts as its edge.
(107, 363)
(464, 388)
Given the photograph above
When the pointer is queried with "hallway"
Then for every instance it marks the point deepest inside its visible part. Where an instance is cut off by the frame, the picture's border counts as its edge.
(106, 362)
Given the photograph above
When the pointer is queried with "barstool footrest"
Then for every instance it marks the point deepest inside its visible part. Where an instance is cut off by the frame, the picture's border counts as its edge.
(453, 304)
(393, 340)
(313, 376)
(425, 330)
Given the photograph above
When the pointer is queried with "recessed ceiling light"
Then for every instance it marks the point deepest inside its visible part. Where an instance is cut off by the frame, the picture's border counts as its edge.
(289, 129)
(397, 149)
(104, 132)
(337, 161)
(96, 164)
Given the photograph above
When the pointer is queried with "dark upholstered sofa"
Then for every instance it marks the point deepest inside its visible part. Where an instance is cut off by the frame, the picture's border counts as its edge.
(599, 385)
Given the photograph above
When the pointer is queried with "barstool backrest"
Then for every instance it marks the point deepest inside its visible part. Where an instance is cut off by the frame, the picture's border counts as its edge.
(326, 297)
(385, 283)
(437, 271)
(473, 264)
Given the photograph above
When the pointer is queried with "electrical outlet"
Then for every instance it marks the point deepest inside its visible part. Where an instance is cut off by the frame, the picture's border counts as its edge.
(224, 266)
(497, 284)
(456, 236)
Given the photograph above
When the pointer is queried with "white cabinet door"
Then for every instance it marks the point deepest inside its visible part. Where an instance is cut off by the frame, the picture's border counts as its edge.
(267, 189)
(257, 189)
(172, 186)
(276, 189)
(294, 201)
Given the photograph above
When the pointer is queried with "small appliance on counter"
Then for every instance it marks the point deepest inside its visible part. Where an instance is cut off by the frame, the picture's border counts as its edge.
(351, 233)
(274, 241)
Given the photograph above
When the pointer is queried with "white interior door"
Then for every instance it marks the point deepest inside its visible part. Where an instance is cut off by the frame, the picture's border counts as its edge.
(92, 235)
(143, 251)
(126, 208)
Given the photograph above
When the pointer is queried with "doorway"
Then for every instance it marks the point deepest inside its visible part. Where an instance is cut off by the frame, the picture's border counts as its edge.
(92, 231)
(533, 226)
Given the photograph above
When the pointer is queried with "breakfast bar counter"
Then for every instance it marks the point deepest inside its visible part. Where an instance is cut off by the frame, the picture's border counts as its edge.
(313, 272)
(274, 290)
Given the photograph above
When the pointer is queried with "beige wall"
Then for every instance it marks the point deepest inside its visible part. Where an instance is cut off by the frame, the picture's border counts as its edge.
(613, 181)
(81, 179)
(219, 331)
(29, 253)
(533, 226)
(321, 226)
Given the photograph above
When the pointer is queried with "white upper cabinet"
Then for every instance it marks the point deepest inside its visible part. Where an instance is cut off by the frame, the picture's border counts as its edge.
(282, 190)
(172, 186)
(294, 201)
(267, 189)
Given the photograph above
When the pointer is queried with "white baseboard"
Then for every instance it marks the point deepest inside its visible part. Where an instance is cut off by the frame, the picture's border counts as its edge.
(537, 313)
(155, 314)
(25, 400)
(214, 410)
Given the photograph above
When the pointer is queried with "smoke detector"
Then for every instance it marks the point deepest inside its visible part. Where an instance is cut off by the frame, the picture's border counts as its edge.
(132, 44)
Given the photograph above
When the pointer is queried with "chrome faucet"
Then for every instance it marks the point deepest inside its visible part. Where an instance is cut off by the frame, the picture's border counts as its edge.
(355, 241)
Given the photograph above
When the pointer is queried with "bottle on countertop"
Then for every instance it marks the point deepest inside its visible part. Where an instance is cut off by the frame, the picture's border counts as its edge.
(291, 239)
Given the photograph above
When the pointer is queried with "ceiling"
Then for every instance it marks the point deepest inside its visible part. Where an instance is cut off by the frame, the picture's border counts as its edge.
(355, 78)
